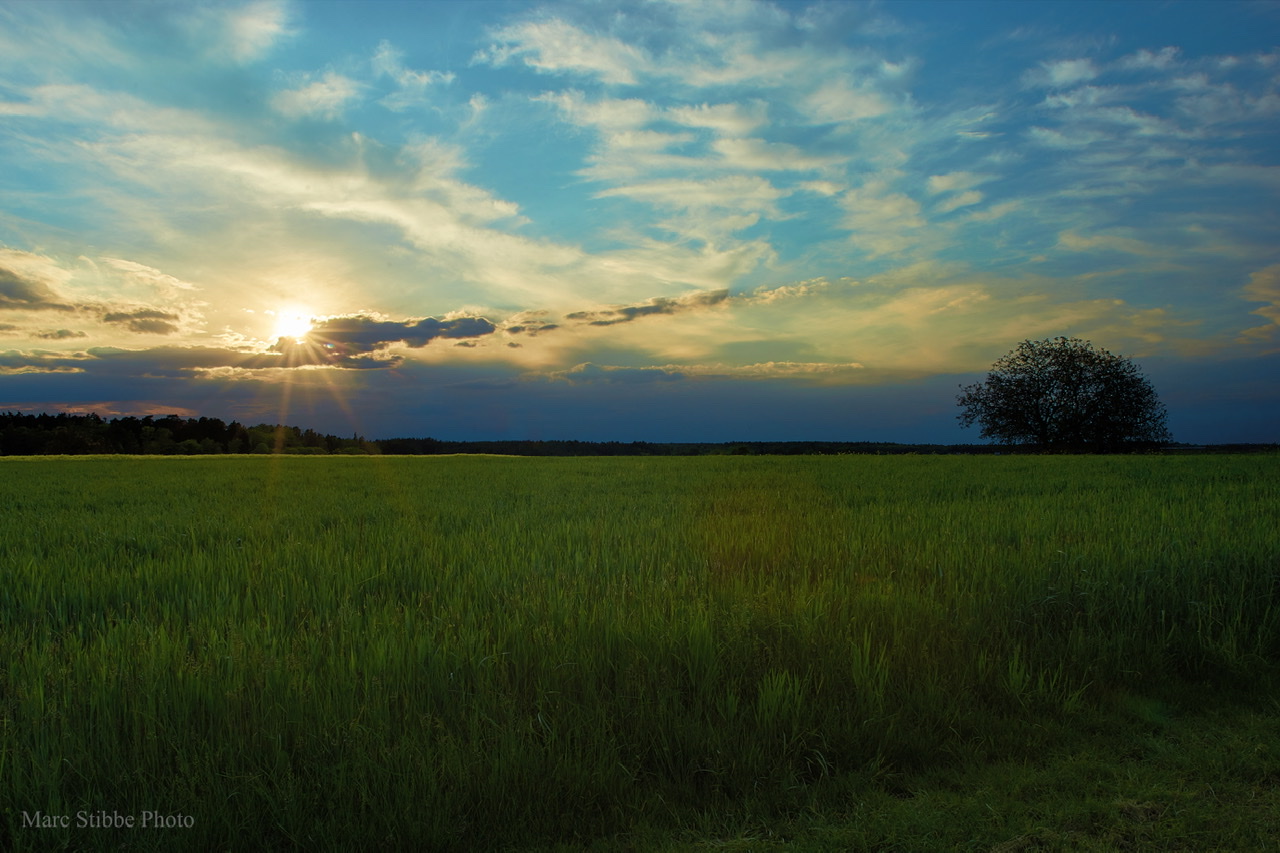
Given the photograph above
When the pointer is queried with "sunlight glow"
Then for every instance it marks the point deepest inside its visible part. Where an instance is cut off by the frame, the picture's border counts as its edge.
(291, 324)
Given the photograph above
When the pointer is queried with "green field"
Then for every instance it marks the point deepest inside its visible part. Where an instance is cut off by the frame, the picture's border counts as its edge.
(861, 652)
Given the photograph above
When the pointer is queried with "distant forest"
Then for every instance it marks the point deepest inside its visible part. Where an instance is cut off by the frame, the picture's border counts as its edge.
(172, 435)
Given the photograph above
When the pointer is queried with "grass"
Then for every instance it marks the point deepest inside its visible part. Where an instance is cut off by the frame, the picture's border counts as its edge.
(489, 652)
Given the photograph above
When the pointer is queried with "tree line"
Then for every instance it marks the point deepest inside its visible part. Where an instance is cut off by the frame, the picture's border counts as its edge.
(65, 434)
(171, 435)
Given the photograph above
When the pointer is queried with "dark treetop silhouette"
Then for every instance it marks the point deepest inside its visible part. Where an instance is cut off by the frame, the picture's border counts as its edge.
(1062, 394)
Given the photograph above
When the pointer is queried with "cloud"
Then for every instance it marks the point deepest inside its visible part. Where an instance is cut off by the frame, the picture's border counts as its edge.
(810, 372)
(412, 85)
(1264, 286)
(879, 220)
(741, 193)
(756, 154)
(822, 372)
(656, 305)
(554, 46)
(841, 101)
(529, 323)
(611, 114)
(1062, 73)
(955, 182)
(58, 334)
(765, 295)
(726, 119)
(324, 98)
(183, 362)
(165, 283)
(362, 334)
(1161, 60)
(20, 290)
(959, 200)
(588, 372)
(26, 285)
(1104, 242)
(252, 29)
(144, 321)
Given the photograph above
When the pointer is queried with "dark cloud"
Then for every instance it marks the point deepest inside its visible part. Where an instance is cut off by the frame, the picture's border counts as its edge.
(144, 321)
(529, 323)
(531, 329)
(362, 334)
(59, 335)
(18, 292)
(657, 305)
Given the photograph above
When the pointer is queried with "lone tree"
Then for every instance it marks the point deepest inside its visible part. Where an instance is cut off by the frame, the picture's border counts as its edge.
(1062, 394)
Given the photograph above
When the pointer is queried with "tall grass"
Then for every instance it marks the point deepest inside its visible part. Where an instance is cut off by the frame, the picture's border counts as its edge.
(467, 652)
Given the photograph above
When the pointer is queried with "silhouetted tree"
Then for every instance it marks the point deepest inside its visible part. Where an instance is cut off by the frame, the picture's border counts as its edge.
(1062, 394)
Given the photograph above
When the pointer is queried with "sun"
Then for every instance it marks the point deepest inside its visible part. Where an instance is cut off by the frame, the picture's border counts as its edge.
(291, 324)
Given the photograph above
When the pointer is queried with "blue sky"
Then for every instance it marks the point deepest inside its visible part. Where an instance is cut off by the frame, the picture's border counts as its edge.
(659, 221)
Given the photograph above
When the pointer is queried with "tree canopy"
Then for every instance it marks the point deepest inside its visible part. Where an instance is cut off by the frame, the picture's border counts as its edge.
(1062, 394)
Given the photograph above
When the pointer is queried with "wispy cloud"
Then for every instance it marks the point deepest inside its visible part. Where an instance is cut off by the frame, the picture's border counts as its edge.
(412, 87)
(551, 45)
(1264, 286)
(325, 97)
(1062, 72)
(252, 29)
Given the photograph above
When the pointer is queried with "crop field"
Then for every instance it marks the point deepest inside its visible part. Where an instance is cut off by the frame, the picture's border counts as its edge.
(485, 652)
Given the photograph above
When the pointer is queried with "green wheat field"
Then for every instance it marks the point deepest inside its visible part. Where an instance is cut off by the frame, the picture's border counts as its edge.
(437, 653)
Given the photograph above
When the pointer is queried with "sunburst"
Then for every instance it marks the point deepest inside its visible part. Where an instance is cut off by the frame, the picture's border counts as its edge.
(291, 324)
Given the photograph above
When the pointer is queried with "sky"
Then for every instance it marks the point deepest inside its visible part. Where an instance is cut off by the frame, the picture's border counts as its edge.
(635, 221)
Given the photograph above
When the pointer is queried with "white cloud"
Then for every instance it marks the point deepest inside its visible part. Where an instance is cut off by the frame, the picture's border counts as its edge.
(735, 192)
(824, 188)
(555, 46)
(252, 29)
(412, 85)
(1104, 242)
(756, 154)
(880, 221)
(1161, 60)
(996, 211)
(726, 119)
(955, 182)
(959, 200)
(630, 155)
(606, 114)
(166, 284)
(323, 98)
(1062, 73)
(768, 295)
(840, 101)
(257, 26)
(833, 373)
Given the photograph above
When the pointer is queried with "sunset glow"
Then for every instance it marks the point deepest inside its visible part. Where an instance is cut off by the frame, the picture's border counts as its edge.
(291, 325)
(658, 221)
